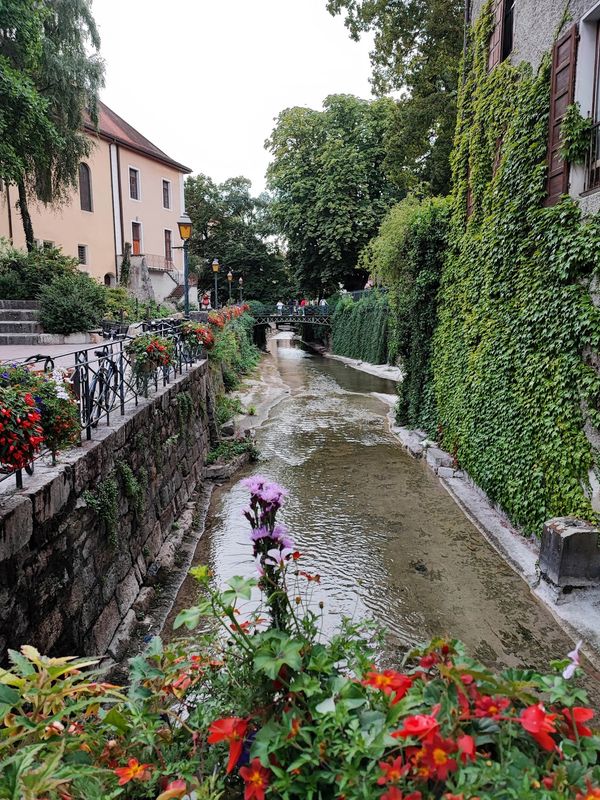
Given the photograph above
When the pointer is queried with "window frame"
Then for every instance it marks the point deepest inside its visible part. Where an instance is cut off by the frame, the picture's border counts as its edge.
(88, 172)
(169, 257)
(138, 173)
(170, 194)
(140, 240)
(84, 248)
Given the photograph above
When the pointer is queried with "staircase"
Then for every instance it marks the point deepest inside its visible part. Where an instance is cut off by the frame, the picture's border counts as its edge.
(19, 322)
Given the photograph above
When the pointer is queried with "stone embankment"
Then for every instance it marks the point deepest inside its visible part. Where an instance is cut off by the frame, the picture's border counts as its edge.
(83, 542)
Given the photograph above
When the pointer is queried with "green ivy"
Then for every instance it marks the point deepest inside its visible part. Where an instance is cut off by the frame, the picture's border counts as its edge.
(575, 135)
(134, 487)
(104, 502)
(185, 410)
(360, 329)
(515, 314)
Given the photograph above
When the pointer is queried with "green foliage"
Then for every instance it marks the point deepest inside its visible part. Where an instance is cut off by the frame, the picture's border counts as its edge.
(236, 228)
(71, 302)
(575, 135)
(360, 329)
(228, 450)
(133, 487)
(417, 49)
(330, 187)
(228, 407)
(407, 255)
(515, 314)
(104, 501)
(24, 275)
(185, 411)
(234, 351)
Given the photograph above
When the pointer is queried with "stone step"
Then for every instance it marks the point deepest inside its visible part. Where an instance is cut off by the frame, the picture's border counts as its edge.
(19, 314)
(20, 327)
(20, 338)
(19, 304)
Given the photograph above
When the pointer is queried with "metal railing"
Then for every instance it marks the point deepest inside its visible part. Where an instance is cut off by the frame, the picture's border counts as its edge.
(104, 379)
(156, 261)
(592, 164)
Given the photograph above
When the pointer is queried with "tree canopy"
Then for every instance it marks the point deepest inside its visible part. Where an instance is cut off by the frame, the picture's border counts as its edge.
(50, 75)
(330, 187)
(231, 225)
(417, 52)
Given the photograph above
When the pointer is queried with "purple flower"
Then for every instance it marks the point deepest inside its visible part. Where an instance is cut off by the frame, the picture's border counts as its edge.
(254, 484)
(281, 536)
(260, 533)
(569, 670)
(276, 558)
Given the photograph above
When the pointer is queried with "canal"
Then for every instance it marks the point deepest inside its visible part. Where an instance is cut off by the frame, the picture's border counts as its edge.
(388, 541)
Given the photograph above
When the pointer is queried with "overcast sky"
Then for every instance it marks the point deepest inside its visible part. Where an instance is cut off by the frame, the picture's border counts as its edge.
(204, 79)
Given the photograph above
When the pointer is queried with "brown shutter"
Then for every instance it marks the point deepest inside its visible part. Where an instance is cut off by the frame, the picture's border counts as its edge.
(562, 92)
(495, 56)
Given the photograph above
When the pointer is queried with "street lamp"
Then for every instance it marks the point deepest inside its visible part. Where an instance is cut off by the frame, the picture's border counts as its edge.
(184, 223)
(215, 269)
(230, 278)
(241, 283)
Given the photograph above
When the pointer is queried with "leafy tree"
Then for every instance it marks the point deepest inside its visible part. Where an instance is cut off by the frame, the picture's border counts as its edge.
(235, 228)
(55, 73)
(330, 187)
(418, 45)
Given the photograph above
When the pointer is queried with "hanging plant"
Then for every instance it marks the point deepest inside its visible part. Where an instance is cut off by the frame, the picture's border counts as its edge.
(21, 434)
(197, 335)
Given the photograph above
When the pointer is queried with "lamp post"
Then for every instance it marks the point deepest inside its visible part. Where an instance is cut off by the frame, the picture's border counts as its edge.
(215, 269)
(241, 283)
(184, 223)
(229, 279)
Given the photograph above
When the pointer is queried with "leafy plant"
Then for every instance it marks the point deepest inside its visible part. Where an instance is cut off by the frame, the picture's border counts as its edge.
(227, 407)
(72, 302)
(23, 275)
(104, 501)
(575, 135)
(227, 451)
(21, 434)
(360, 329)
(148, 353)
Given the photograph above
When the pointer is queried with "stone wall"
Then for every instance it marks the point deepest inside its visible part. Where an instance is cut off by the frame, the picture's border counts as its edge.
(79, 541)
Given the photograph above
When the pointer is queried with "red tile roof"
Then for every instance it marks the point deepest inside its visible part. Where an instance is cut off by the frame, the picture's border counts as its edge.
(114, 128)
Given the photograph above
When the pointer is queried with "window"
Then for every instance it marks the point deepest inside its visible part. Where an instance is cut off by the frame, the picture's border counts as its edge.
(166, 194)
(136, 238)
(85, 187)
(82, 253)
(501, 40)
(508, 28)
(134, 183)
(168, 247)
(47, 245)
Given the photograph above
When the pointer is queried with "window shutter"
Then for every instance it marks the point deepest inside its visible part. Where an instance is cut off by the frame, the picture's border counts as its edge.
(495, 55)
(562, 92)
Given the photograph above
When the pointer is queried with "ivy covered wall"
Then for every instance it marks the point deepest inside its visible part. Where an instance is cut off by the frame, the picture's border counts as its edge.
(512, 385)
(360, 328)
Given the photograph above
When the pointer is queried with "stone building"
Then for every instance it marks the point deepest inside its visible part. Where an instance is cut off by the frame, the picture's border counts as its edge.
(525, 30)
(129, 191)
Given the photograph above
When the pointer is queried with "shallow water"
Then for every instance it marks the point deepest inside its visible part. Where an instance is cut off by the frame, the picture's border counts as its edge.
(386, 538)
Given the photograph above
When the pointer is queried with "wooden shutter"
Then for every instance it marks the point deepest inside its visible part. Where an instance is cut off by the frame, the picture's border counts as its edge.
(562, 92)
(495, 55)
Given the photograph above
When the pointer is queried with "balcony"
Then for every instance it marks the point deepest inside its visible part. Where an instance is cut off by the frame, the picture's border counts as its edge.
(592, 162)
(156, 262)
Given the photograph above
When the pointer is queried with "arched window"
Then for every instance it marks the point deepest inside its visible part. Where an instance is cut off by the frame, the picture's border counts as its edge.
(85, 187)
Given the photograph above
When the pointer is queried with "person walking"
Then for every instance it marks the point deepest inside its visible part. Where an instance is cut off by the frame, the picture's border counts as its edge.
(279, 308)
(303, 304)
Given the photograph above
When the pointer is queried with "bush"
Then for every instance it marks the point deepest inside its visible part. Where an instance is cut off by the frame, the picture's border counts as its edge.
(360, 329)
(233, 348)
(72, 303)
(24, 275)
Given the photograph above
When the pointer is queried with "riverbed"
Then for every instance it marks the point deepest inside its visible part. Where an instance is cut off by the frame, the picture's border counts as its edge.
(387, 540)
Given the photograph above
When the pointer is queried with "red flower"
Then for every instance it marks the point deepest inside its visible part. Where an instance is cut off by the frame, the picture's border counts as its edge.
(591, 792)
(134, 771)
(174, 791)
(390, 682)
(422, 726)
(232, 730)
(256, 778)
(492, 707)
(575, 718)
(392, 771)
(539, 725)
(466, 746)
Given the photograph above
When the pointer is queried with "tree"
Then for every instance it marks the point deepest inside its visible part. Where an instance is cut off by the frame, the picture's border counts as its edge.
(57, 66)
(417, 51)
(330, 187)
(235, 228)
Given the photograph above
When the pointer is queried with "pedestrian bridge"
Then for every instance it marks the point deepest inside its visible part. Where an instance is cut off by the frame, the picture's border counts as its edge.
(311, 317)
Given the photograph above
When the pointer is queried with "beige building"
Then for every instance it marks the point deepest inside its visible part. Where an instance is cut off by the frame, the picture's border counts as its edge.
(129, 191)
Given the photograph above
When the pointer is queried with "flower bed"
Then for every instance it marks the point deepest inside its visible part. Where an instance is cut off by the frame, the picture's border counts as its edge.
(197, 335)
(147, 354)
(259, 705)
(222, 316)
(37, 409)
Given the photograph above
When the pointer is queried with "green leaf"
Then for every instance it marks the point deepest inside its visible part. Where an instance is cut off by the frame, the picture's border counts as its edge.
(8, 695)
(326, 706)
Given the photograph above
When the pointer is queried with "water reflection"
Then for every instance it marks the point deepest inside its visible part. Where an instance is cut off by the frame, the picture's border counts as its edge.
(378, 527)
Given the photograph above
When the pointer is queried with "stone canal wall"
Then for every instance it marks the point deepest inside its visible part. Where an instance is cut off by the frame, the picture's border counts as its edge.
(79, 542)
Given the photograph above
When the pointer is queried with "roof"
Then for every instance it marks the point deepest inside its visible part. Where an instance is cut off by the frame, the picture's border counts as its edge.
(114, 128)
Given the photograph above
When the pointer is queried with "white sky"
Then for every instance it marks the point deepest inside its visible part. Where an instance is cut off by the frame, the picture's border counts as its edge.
(204, 79)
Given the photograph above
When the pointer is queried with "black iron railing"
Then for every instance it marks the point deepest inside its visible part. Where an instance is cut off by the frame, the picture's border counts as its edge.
(104, 378)
(592, 166)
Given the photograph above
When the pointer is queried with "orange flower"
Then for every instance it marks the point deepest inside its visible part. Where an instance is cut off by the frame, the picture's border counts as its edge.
(390, 682)
(539, 725)
(256, 778)
(134, 771)
(232, 730)
(175, 789)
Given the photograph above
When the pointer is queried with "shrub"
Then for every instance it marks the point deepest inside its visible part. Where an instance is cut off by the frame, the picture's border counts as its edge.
(360, 329)
(24, 275)
(71, 303)
(233, 349)
(227, 407)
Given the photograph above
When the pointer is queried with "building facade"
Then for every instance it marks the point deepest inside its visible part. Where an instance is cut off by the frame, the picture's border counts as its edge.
(129, 192)
(525, 30)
